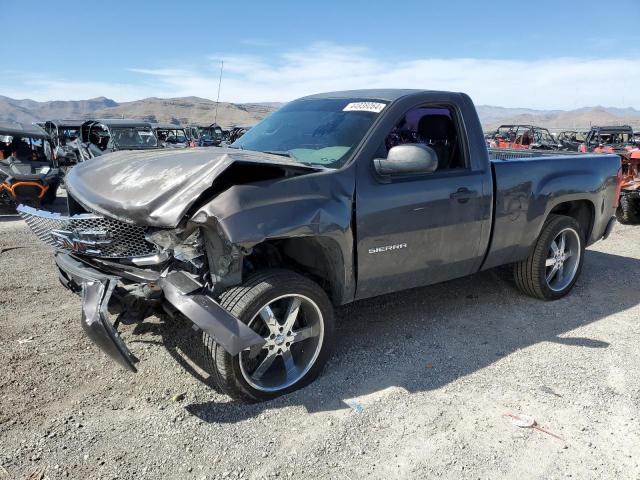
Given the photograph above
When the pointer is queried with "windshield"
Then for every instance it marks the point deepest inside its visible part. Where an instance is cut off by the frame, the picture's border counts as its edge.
(136, 137)
(208, 133)
(172, 136)
(68, 134)
(614, 138)
(24, 148)
(320, 132)
(543, 136)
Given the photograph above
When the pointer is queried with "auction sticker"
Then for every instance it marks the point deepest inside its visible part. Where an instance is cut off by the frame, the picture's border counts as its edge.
(374, 107)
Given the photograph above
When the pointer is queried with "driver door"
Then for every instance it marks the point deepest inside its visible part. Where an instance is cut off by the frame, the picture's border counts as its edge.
(421, 229)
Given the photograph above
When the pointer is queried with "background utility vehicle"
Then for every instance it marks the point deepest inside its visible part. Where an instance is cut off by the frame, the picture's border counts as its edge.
(170, 136)
(28, 172)
(209, 136)
(526, 137)
(608, 139)
(238, 131)
(333, 198)
(620, 140)
(571, 140)
(98, 137)
(63, 134)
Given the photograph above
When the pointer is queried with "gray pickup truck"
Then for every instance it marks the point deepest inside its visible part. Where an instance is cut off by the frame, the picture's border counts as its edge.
(334, 198)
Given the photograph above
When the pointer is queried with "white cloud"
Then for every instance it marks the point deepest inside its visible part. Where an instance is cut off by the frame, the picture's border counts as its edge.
(548, 83)
(41, 88)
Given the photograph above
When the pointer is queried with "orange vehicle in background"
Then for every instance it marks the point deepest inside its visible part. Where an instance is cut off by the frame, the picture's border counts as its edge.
(29, 173)
(621, 141)
(522, 137)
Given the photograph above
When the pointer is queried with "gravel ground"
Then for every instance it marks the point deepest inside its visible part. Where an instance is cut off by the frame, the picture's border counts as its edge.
(419, 386)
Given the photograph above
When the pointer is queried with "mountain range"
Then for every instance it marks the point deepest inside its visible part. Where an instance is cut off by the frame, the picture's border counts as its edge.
(186, 110)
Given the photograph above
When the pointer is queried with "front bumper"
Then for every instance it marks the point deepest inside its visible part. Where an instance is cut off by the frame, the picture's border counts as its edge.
(179, 289)
(95, 289)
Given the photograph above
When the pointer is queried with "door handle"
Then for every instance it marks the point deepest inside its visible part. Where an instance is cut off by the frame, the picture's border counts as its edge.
(463, 195)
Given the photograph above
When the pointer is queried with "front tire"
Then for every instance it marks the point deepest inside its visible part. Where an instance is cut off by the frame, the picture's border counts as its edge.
(554, 265)
(295, 317)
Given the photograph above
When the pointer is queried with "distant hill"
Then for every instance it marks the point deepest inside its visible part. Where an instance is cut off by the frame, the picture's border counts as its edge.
(582, 118)
(29, 110)
(185, 110)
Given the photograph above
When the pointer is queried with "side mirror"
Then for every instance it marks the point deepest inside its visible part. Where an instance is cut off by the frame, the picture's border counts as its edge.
(408, 159)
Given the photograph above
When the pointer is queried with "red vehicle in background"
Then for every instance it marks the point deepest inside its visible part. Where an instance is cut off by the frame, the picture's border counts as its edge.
(621, 141)
(522, 137)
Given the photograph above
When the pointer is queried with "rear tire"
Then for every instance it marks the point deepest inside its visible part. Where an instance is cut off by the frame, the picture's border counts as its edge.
(554, 265)
(628, 211)
(267, 297)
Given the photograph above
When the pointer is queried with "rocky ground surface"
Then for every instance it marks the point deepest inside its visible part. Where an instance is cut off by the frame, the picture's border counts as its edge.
(420, 386)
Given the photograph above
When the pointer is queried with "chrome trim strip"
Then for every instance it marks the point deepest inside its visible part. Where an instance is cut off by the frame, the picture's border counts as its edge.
(150, 259)
(27, 210)
(90, 234)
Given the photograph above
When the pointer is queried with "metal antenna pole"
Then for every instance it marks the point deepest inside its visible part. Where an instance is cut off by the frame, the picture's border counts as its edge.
(215, 118)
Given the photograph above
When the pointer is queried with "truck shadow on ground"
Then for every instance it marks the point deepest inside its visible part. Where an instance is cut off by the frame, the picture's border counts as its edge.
(425, 338)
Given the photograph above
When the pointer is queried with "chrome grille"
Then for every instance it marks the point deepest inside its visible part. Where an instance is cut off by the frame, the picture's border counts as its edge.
(88, 233)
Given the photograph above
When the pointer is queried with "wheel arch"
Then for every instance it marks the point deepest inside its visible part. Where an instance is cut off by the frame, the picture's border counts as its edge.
(322, 258)
(582, 211)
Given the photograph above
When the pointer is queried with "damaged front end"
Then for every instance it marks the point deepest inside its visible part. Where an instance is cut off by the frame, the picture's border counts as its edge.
(170, 231)
(125, 273)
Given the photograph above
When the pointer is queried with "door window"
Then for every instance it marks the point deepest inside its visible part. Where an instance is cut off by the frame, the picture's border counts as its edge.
(435, 127)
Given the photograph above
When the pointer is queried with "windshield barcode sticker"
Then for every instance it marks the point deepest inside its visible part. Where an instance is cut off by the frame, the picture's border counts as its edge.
(374, 107)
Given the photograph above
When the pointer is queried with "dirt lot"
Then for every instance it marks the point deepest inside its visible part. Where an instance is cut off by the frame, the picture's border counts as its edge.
(431, 372)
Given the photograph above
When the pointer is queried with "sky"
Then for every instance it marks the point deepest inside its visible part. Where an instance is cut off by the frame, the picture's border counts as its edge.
(543, 54)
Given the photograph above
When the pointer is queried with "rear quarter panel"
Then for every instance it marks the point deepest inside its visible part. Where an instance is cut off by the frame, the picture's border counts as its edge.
(527, 190)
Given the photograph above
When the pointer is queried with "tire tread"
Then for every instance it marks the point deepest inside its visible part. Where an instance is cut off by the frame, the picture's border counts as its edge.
(529, 273)
(628, 211)
(237, 300)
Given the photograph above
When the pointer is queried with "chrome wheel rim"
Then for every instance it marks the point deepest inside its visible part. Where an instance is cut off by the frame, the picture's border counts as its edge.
(563, 259)
(293, 329)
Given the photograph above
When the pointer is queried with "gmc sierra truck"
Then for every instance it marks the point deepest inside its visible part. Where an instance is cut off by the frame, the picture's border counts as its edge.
(335, 197)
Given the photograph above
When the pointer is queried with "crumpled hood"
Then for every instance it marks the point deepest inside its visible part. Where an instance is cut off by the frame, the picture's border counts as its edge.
(154, 188)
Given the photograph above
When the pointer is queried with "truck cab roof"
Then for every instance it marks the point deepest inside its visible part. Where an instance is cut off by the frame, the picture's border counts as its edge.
(388, 94)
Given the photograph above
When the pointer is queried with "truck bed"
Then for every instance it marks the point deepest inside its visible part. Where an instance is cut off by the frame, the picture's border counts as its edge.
(517, 154)
(530, 184)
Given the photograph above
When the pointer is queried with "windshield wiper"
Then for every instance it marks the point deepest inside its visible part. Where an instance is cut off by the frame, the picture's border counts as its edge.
(282, 153)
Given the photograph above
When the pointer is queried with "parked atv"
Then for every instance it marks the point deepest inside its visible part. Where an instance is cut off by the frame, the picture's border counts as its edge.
(28, 173)
(522, 137)
(238, 131)
(629, 208)
(98, 137)
(62, 134)
(170, 136)
(571, 140)
(210, 136)
(620, 139)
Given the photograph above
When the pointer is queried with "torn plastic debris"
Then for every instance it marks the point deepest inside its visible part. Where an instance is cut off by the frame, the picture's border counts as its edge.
(354, 404)
(526, 421)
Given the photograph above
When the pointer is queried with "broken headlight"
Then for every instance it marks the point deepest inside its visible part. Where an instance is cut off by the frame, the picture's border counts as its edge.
(186, 247)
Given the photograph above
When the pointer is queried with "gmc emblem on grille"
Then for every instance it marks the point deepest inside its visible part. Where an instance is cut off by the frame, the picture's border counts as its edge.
(88, 242)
